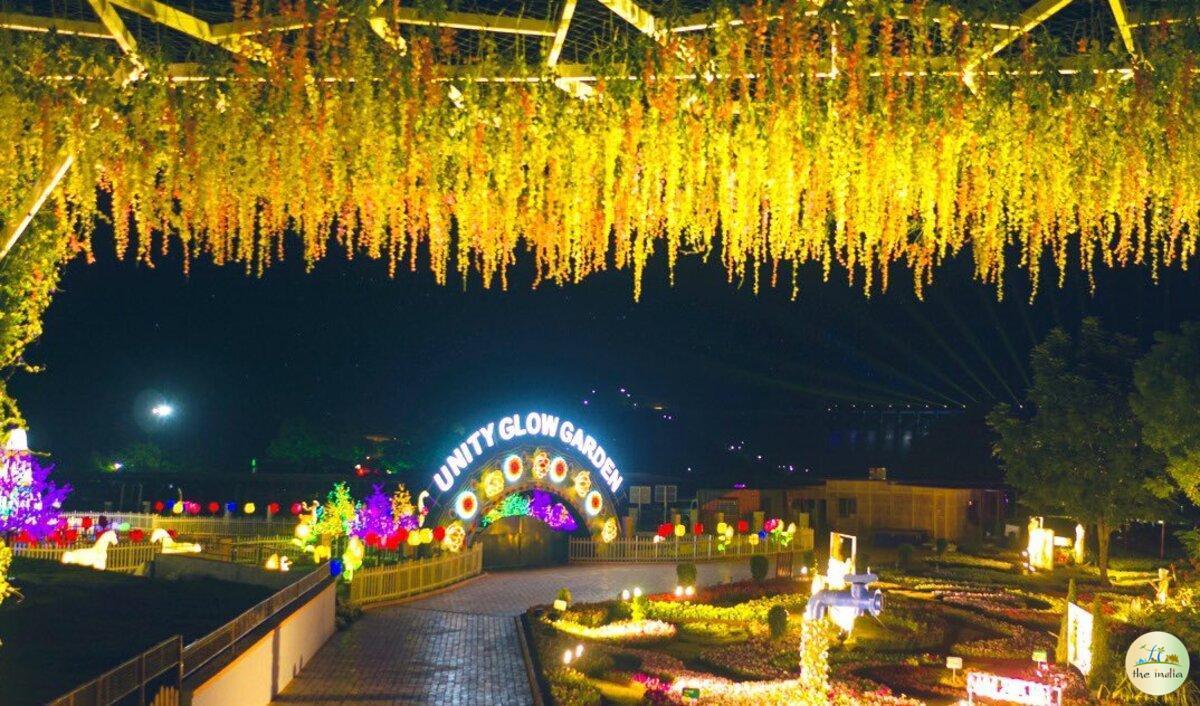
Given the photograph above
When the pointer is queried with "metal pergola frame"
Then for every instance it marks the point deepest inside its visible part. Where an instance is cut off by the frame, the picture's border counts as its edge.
(240, 37)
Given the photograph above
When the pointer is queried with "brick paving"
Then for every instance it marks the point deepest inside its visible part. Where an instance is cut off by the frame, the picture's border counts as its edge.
(460, 646)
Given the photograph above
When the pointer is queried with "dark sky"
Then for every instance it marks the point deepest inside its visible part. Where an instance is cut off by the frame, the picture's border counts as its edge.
(348, 347)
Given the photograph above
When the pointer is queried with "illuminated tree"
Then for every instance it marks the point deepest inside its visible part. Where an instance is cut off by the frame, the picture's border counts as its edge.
(338, 514)
(1075, 448)
(375, 515)
(404, 513)
(29, 501)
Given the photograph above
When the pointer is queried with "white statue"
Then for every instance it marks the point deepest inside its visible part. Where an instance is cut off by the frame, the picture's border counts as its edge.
(170, 546)
(95, 556)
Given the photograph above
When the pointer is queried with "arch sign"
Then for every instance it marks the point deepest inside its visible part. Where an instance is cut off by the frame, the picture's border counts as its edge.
(533, 464)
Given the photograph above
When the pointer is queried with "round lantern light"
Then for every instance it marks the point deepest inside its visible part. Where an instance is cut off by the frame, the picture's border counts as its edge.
(273, 509)
(753, 539)
(697, 529)
(743, 527)
(593, 503)
(192, 507)
(177, 507)
(214, 507)
(297, 508)
(439, 533)
(401, 535)
(558, 469)
(680, 530)
(249, 508)
(513, 468)
(231, 507)
(426, 535)
(137, 535)
(664, 530)
(721, 527)
(466, 505)
(414, 539)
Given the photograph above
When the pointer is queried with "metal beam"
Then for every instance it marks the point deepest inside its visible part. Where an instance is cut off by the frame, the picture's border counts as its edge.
(1121, 15)
(33, 23)
(41, 192)
(475, 21)
(1026, 21)
(116, 27)
(193, 27)
(560, 32)
(633, 13)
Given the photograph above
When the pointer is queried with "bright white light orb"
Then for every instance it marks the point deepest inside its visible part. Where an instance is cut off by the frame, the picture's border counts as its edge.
(162, 410)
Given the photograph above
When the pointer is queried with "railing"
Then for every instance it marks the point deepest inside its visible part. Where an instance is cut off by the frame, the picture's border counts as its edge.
(198, 653)
(642, 548)
(122, 557)
(136, 675)
(388, 583)
(199, 526)
(249, 551)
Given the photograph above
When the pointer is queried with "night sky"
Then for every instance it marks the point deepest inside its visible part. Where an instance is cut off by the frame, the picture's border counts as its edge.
(347, 347)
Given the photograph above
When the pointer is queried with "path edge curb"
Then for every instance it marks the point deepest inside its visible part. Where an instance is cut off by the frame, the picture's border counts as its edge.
(537, 685)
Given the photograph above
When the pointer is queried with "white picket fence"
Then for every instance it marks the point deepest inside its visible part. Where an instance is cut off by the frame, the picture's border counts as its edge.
(643, 548)
(389, 583)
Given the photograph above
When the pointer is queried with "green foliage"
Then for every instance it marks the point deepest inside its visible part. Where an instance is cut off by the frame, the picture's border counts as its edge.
(777, 621)
(714, 633)
(137, 456)
(28, 278)
(338, 512)
(569, 687)
(594, 662)
(564, 594)
(302, 445)
(1190, 539)
(758, 567)
(1101, 647)
(1060, 648)
(685, 573)
(1076, 448)
(637, 608)
(1165, 399)
(904, 557)
(346, 613)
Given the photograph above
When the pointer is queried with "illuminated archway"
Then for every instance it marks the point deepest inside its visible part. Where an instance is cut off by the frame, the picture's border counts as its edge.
(529, 464)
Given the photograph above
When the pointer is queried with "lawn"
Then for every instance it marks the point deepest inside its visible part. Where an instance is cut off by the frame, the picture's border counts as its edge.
(76, 623)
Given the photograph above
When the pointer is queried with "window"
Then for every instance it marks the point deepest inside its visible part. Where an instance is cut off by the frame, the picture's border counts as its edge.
(847, 507)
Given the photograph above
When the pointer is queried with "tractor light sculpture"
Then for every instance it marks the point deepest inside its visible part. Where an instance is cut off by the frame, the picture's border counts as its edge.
(844, 605)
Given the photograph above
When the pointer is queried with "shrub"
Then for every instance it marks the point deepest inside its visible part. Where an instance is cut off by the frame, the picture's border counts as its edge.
(939, 547)
(570, 688)
(594, 663)
(345, 613)
(1101, 654)
(758, 567)
(637, 608)
(1060, 650)
(686, 574)
(564, 594)
(904, 555)
(777, 618)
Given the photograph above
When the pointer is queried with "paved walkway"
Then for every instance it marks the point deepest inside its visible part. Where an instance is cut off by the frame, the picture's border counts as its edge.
(461, 647)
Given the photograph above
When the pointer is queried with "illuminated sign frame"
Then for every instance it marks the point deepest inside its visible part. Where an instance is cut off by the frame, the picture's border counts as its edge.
(526, 428)
(1020, 691)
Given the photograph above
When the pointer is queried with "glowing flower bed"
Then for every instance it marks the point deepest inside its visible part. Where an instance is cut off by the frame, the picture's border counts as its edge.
(626, 631)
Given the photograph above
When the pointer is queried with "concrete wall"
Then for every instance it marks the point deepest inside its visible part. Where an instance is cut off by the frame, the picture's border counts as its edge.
(258, 674)
(183, 566)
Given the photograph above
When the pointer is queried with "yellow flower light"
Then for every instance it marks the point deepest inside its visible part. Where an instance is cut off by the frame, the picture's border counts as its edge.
(249, 508)
(582, 483)
(493, 483)
(608, 531)
(680, 530)
(456, 537)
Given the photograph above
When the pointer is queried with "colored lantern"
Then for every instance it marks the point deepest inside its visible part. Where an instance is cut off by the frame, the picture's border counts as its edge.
(664, 530)
(177, 508)
(214, 507)
(753, 539)
(393, 541)
(439, 533)
(426, 535)
(273, 509)
(609, 531)
(249, 508)
(136, 535)
(558, 469)
(297, 508)
(371, 539)
(231, 507)
(401, 535)
(493, 483)
(414, 539)
(466, 505)
(743, 527)
(86, 522)
(541, 465)
(593, 503)
(697, 529)
(680, 530)
(158, 506)
(513, 468)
